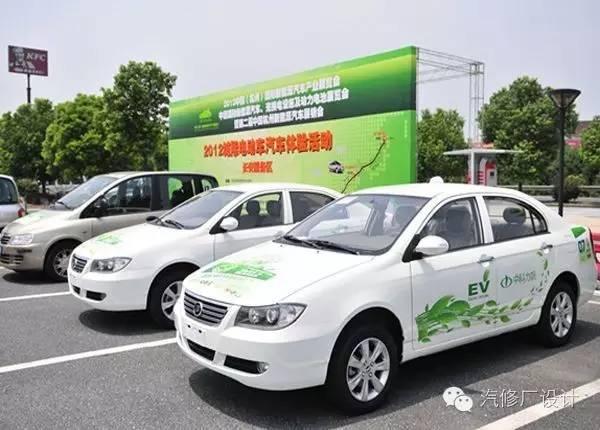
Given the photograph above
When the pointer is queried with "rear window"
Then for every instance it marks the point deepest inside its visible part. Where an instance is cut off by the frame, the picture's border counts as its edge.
(8, 192)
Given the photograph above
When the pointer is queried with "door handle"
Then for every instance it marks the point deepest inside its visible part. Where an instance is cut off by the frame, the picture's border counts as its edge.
(546, 246)
(485, 258)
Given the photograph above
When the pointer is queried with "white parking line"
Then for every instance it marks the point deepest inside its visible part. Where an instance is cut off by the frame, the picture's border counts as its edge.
(594, 302)
(596, 293)
(33, 296)
(82, 355)
(541, 410)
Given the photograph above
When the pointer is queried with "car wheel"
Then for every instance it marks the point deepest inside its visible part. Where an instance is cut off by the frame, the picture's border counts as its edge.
(164, 293)
(362, 367)
(559, 316)
(57, 261)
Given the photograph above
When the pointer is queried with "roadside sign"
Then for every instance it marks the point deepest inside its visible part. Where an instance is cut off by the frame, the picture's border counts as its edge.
(27, 61)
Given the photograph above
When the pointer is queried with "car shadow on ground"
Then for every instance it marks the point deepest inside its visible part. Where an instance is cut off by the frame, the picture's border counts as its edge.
(28, 278)
(119, 323)
(416, 381)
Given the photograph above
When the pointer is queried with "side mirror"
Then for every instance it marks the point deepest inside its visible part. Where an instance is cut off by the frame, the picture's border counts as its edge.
(151, 218)
(100, 206)
(229, 223)
(432, 245)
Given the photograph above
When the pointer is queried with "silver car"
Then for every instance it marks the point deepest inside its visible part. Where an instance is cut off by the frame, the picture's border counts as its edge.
(44, 240)
(10, 206)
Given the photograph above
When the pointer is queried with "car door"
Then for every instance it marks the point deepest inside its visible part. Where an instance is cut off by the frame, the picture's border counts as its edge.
(260, 218)
(128, 203)
(523, 256)
(453, 293)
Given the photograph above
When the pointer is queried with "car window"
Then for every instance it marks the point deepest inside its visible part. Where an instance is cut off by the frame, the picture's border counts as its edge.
(178, 189)
(305, 203)
(260, 211)
(8, 192)
(131, 196)
(458, 223)
(364, 223)
(512, 219)
(83, 192)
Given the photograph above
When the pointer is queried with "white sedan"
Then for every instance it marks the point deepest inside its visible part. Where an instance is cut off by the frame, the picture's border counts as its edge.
(142, 267)
(352, 291)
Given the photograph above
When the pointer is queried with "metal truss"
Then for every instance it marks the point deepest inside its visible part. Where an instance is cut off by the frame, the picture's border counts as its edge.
(434, 66)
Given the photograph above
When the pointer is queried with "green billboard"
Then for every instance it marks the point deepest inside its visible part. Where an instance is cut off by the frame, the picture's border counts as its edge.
(347, 126)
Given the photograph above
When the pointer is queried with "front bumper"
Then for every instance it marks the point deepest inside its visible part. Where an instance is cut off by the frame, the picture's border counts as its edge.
(295, 360)
(126, 290)
(23, 257)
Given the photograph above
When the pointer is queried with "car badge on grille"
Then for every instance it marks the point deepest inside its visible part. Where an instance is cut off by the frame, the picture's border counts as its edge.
(197, 309)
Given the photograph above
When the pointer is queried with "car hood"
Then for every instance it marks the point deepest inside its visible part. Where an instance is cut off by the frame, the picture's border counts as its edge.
(267, 273)
(130, 241)
(35, 221)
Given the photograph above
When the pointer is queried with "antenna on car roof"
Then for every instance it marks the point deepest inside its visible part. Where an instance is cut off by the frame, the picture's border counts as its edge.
(436, 180)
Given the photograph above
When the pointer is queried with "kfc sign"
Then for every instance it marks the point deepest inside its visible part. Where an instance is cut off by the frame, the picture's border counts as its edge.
(27, 60)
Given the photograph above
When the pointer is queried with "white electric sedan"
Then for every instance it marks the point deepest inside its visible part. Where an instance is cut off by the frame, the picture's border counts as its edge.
(383, 276)
(142, 267)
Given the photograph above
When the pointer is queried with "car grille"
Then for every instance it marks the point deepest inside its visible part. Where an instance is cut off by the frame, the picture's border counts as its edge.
(211, 314)
(78, 264)
(11, 259)
(5, 239)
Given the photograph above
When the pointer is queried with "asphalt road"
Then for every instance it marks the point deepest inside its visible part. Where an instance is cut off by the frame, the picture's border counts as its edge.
(157, 387)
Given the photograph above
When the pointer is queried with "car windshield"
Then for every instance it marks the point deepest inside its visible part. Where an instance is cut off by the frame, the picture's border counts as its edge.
(197, 210)
(8, 192)
(358, 224)
(83, 193)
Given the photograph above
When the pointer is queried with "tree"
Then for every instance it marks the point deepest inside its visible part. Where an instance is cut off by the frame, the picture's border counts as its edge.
(21, 136)
(437, 133)
(590, 148)
(522, 116)
(75, 140)
(137, 108)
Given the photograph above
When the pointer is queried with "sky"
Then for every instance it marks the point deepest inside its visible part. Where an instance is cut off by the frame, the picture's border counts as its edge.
(216, 45)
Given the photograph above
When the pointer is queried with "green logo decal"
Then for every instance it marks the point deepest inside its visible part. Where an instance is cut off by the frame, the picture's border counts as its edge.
(506, 281)
(478, 290)
(109, 239)
(242, 269)
(578, 231)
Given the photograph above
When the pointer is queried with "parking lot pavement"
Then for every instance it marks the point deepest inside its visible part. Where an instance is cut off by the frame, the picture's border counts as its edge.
(157, 387)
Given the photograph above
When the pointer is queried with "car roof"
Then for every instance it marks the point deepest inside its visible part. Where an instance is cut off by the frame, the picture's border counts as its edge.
(430, 190)
(268, 186)
(10, 178)
(120, 175)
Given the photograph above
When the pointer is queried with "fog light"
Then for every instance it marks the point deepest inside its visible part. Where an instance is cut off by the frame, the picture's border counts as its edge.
(262, 367)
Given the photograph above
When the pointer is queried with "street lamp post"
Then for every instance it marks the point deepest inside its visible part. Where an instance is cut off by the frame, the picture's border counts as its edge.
(562, 99)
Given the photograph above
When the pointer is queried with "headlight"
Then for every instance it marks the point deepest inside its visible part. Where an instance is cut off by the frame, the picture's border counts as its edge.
(21, 239)
(269, 317)
(110, 264)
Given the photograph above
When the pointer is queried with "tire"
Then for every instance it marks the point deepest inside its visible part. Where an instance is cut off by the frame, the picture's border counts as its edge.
(551, 329)
(349, 344)
(172, 281)
(57, 261)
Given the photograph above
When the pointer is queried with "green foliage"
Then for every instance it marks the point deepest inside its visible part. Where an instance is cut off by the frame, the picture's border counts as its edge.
(590, 148)
(522, 116)
(21, 136)
(75, 141)
(27, 187)
(437, 133)
(572, 188)
(137, 108)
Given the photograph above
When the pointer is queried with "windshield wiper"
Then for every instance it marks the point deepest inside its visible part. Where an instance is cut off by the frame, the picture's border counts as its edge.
(333, 245)
(174, 223)
(295, 239)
